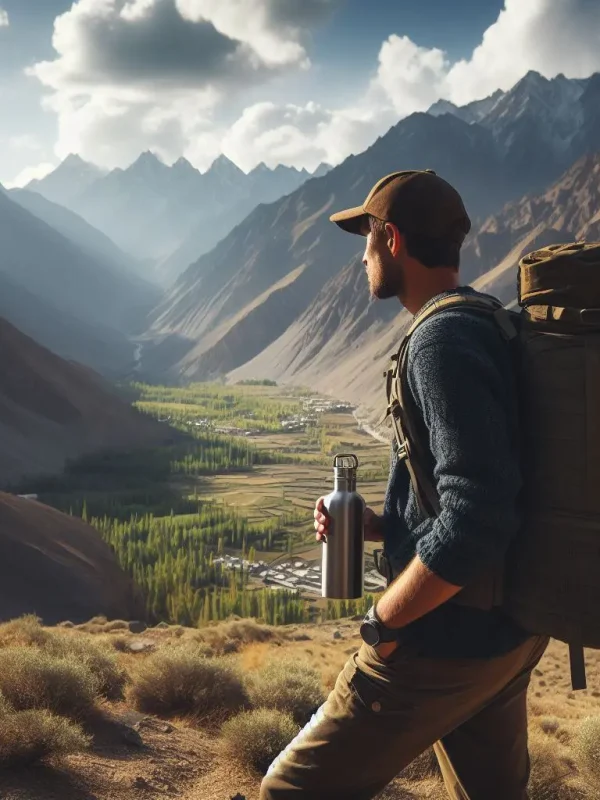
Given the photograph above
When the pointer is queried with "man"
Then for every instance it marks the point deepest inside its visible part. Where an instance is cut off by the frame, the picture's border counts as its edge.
(432, 670)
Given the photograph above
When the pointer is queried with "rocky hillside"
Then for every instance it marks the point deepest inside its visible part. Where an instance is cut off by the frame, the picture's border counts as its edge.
(51, 410)
(57, 567)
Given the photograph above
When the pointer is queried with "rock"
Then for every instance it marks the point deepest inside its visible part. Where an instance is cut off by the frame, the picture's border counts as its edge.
(130, 736)
(154, 725)
(140, 783)
(337, 635)
(238, 797)
(137, 627)
(140, 646)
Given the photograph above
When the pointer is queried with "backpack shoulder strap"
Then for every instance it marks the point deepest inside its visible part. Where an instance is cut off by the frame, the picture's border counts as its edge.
(400, 406)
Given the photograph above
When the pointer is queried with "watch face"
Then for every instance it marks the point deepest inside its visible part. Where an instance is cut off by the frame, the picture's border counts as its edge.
(369, 634)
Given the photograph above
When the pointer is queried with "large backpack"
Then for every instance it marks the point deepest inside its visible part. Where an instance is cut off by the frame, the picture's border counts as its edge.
(550, 579)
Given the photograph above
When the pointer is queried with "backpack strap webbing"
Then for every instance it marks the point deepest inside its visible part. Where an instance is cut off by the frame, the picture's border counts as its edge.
(400, 407)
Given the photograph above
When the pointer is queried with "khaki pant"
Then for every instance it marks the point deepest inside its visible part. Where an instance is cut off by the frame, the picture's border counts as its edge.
(382, 714)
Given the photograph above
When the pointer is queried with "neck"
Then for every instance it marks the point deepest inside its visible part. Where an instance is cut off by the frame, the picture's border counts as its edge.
(431, 283)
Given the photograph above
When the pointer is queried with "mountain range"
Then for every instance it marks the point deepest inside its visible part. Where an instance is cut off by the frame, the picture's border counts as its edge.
(167, 215)
(282, 294)
(285, 288)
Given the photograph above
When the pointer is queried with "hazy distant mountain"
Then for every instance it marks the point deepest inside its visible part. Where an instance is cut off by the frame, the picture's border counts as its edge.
(170, 214)
(40, 260)
(75, 228)
(229, 204)
(321, 170)
(67, 181)
(104, 349)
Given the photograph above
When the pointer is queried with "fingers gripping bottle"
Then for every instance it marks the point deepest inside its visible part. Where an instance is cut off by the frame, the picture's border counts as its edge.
(343, 549)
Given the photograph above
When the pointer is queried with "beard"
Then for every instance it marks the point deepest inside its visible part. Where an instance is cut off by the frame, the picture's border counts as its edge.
(386, 280)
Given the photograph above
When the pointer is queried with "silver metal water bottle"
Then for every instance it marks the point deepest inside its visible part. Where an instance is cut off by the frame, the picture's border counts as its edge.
(343, 551)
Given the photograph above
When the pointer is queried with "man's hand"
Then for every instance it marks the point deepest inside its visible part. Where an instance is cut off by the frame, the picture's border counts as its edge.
(373, 523)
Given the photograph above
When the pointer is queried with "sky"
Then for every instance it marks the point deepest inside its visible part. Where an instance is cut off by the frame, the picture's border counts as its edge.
(296, 82)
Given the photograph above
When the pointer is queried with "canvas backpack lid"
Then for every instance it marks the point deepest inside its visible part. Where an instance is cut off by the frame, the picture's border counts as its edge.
(561, 275)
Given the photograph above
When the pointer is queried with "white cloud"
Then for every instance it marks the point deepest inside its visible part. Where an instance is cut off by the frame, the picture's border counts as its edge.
(38, 172)
(4, 20)
(147, 74)
(548, 36)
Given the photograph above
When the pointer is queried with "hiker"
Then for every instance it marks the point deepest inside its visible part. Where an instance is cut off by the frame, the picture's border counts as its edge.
(441, 664)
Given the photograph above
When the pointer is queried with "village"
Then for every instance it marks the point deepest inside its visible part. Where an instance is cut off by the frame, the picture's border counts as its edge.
(297, 423)
(294, 574)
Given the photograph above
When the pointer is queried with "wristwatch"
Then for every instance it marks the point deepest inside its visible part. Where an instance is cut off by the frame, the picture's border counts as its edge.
(374, 632)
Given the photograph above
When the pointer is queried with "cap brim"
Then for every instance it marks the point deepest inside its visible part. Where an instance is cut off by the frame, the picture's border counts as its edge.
(353, 220)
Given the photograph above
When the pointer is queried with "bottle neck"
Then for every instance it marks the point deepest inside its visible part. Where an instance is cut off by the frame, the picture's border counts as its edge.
(344, 483)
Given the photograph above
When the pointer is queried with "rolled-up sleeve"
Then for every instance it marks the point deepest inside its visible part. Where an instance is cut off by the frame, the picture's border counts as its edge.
(467, 409)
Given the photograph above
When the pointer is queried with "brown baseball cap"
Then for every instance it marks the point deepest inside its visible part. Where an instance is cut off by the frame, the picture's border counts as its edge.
(417, 201)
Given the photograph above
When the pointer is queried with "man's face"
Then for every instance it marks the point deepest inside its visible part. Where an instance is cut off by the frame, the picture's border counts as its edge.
(385, 271)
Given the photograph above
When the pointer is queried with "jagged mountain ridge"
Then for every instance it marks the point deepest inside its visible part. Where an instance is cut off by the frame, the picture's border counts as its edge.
(171, 214)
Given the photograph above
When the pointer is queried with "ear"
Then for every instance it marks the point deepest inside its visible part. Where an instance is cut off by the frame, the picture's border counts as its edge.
(394, 239)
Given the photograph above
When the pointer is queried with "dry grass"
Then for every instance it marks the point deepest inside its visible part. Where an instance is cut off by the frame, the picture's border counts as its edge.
(101, 662)
(33, 679)
(26, 630)
(36, 735)
(257, 737)
(179, 682)
(287, 685)
(70, 646)
(230, 637)
(587, 749)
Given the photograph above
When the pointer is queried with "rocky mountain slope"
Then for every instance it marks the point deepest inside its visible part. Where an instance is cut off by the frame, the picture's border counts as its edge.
(57, 567)
(51, 410)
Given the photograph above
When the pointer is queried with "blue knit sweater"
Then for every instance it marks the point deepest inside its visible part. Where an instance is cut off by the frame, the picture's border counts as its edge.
(461, 377)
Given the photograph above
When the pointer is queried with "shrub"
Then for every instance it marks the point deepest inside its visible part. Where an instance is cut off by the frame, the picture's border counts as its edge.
(26, 630)
(101, 662)
(286, 685)
(550, 769)
(33, 679)
(29, 736)
(116, 625)
(257, 737)
(178, 681)
(587, 747)
(229, 637)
